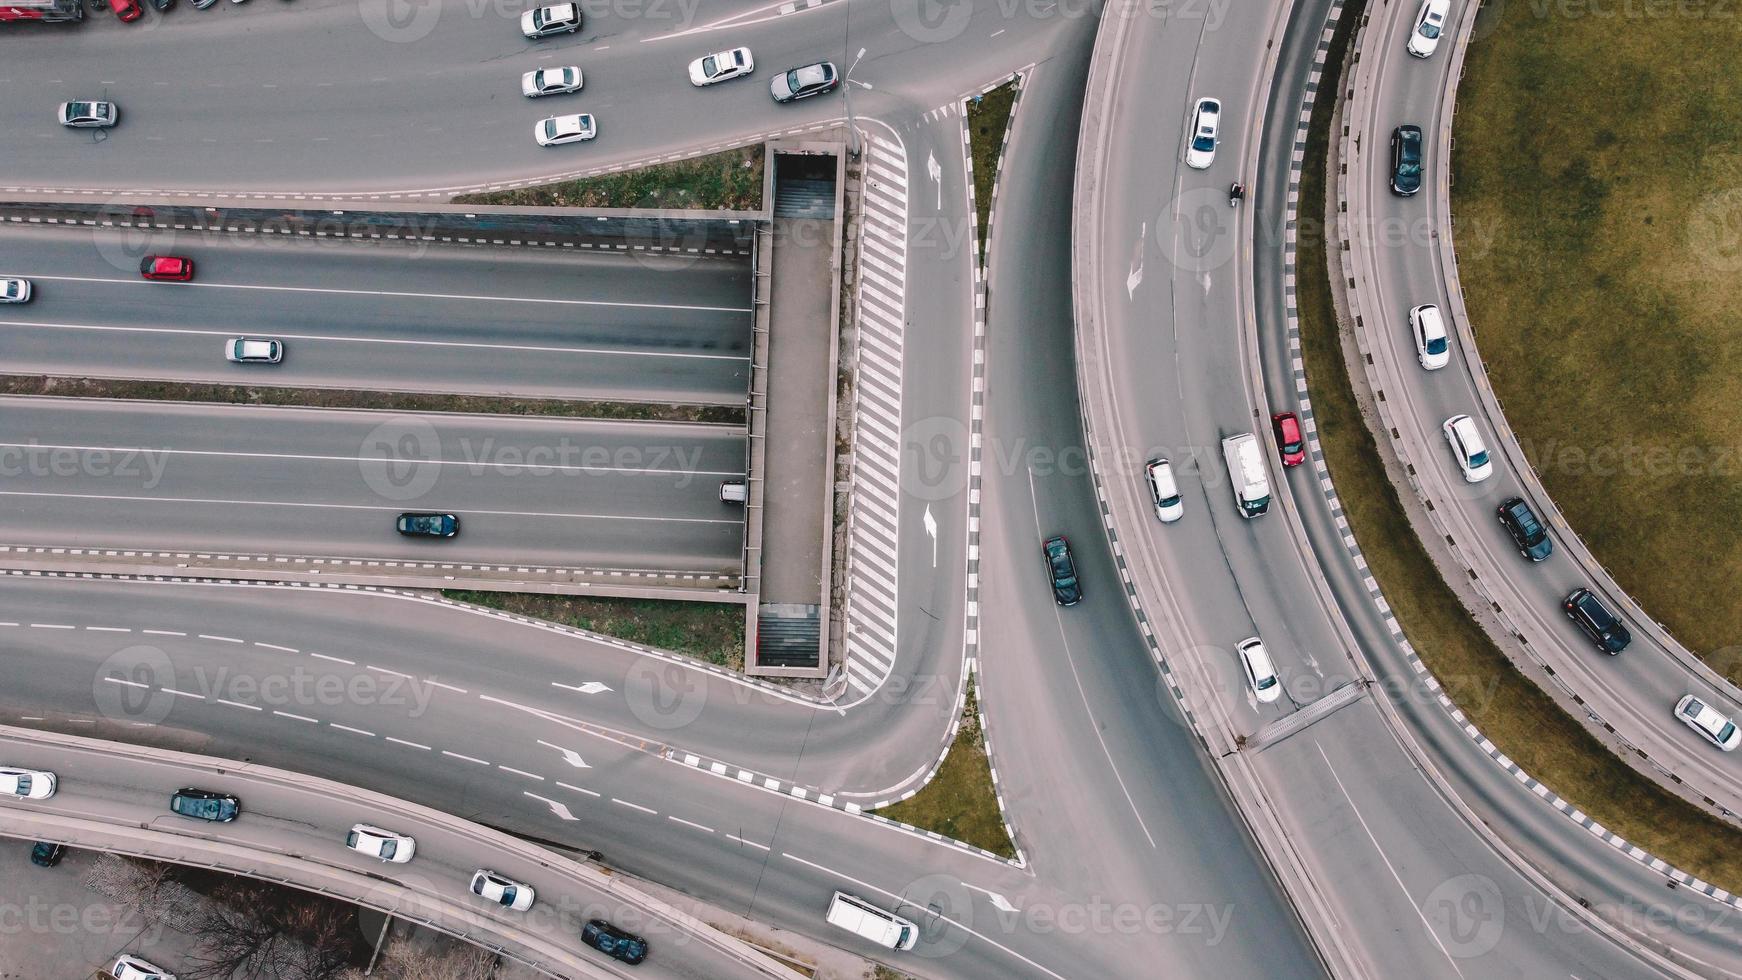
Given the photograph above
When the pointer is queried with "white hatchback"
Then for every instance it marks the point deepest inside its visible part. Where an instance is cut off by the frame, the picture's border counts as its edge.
(1260, 673)
(722, 66)
(1164, 491)
(1432, 347)
(557, 130)
(383, 844)
(28, 784)
(133, 968)
(550, 81)
(1706, 720)
(14, 290)
(1430, 23)
(253, 350)
(505, 892)
(1201, 144)
(1468, 448)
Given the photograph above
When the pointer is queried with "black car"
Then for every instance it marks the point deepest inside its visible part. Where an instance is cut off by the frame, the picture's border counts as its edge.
(205, 805)
(1406, 160)
(1063, 570)
(1584, 608)
(1527, 532)
(429, 525)
(46, 855)
(612, 941)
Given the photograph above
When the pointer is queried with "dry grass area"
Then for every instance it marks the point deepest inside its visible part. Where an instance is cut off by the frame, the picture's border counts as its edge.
(708, 631)
(959, 801)
(730, 180)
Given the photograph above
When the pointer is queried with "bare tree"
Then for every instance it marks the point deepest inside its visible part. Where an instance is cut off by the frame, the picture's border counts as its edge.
(259, 932)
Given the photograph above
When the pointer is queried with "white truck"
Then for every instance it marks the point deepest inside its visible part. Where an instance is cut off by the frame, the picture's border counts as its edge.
(865, 920)
(1246, 474)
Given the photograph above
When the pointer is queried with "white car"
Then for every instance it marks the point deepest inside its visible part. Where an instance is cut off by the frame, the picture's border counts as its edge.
(503, 891)
(1430, 22)
(1432, 347)
(133, 968)
(88, 115)
(383, 844)
(1201, 144)
(14, 290)
(557, 18)
(565, 129)
(253, 350)
(550, 81)
(1164, 491)
(1260, 674)
(1705, 719)
(29, 784)
(721, 66)
(1468, 448)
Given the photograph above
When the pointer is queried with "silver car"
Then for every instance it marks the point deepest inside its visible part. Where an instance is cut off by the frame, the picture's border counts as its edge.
(565, 129)
(558, 18)
(14, 290)
(253, 350)
(722, 66)
(550, 81)
(802, 83)
(88, 115)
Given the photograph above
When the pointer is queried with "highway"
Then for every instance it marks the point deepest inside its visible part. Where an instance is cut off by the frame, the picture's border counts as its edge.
(381, 316)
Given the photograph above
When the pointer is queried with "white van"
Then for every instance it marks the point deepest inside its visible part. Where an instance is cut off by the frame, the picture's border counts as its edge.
(863, 919)
(1246, 474)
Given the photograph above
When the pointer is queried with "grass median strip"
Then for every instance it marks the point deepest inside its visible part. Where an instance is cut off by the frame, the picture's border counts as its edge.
(386, 401)
(727, 181)
(1511, 710)
(708, 631)
(988, 118)
(959, 802)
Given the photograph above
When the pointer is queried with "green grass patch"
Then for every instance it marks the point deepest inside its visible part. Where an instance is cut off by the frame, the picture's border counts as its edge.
(1512, 711)
(959, 802)
(1598, 202)
(730, 180)
(709, 631)
(988, 118)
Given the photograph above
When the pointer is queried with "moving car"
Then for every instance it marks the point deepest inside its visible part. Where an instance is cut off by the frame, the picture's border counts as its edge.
(378, 843)
(166, 268)
(1432, 347)
(88, 115)
(558, 18)
(29, 784)
(253, 350)
(614, 942)
(1164, 491)
(133, 968)
(565, 129)
(802, 83)
(1406, 160)
(1528, 533)
(14, 290)
(1246, 474)
(721, 66)
(1201, 145)
(45, 854)
(1468, 448)
(1430, 22)
(503, 891)
(1289, 441)
(128, 10)
(205, 805)
(1706, 720)
(1589, 614)
(1260, 673)
(550, 81)
(1062, 569)
(428, 525)
(867, 921)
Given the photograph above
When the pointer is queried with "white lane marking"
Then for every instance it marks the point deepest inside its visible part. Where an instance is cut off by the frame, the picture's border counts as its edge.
(467, 758)
(117, 680)
(570, 756)
(751, 843)
(590, 687)
(108, 629)
(337, 660)
(578, 789)
(634, 806)
(331, 291)
(8, 624)
(327, 458)
(288, 503)
(163, 632)
(688, 823)
(51, 626)
(384, 670)
(559, 809)
(182, 694)
(238, 704)
(401, 741)
(446, 687)
(274, 646)
(899, 899)
(286, 714)
(520, 772)
(348, 728)
(220, 639)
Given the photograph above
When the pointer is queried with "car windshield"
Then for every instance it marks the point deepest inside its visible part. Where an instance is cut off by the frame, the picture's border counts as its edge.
(1204, 142)
(710, 67)
(792, 82)
(1408, 167)
(388, 848)
(1170, 501)
(508, 895)
(540, 17)
(1430, 29)
(23, 785)
(1259, 504)
(1436, 345)
(1479, 459)
(1727, 732)
(550, 129)
(1266, 683)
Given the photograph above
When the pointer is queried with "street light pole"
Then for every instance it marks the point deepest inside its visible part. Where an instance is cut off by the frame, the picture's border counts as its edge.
(847, 92)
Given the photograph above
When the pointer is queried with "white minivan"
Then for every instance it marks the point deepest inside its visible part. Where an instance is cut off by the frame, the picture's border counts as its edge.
(867, 921)
(1163, 490)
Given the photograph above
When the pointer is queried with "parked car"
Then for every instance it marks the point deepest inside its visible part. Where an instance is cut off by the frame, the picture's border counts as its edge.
(503, 891)
(802, 83)
(1430, 22)
(205, 805)
(88, 114)
(1468, 448)
(733, 492)
(129, 967)
(1164, 491)
(614, 942)
(1602, 626)
(14, 290)
(166, 268)
(1260, 673)
(1201, 144)
(253, 350)
(45, 854)
(1528, 533)
(550, 81)
(1406, 160)
(1432, 346)
(201, 4)
(128, 10)
(1706, 720)
(428, 525)
(162, 5)
(1062, 569)
(1289, 441)
(721, 66)
(383, 844)
(557, 130)
(558, 18)
(28, 784)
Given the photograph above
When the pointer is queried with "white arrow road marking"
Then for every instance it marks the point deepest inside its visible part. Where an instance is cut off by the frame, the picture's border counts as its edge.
(590, 687)
(555, 807)
(936, 172)
(570, 756)
(998, 901)
(931, 530)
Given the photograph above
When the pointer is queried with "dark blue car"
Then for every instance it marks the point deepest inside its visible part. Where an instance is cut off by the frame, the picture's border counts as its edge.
(614, 942)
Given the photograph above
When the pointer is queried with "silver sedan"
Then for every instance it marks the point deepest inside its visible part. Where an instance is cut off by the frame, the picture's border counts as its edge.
(550, 81)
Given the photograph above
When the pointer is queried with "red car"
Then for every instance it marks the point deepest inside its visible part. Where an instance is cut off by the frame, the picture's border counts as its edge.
(167, 268)
(127, 10)
(1288, 438)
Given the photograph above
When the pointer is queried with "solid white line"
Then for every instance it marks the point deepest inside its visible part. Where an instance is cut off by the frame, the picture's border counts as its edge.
(760, 847)
(448, 687)
(287, 503)
(402, 741)
(117, 680)
(577, 789)
(326, 458)
(408, 295)
(340, 660)
(634, 806)
(687, 823)
(520, 772)
(456, 755)
(286, 714)
(220, 639)
(348, 728)
(238, 704)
